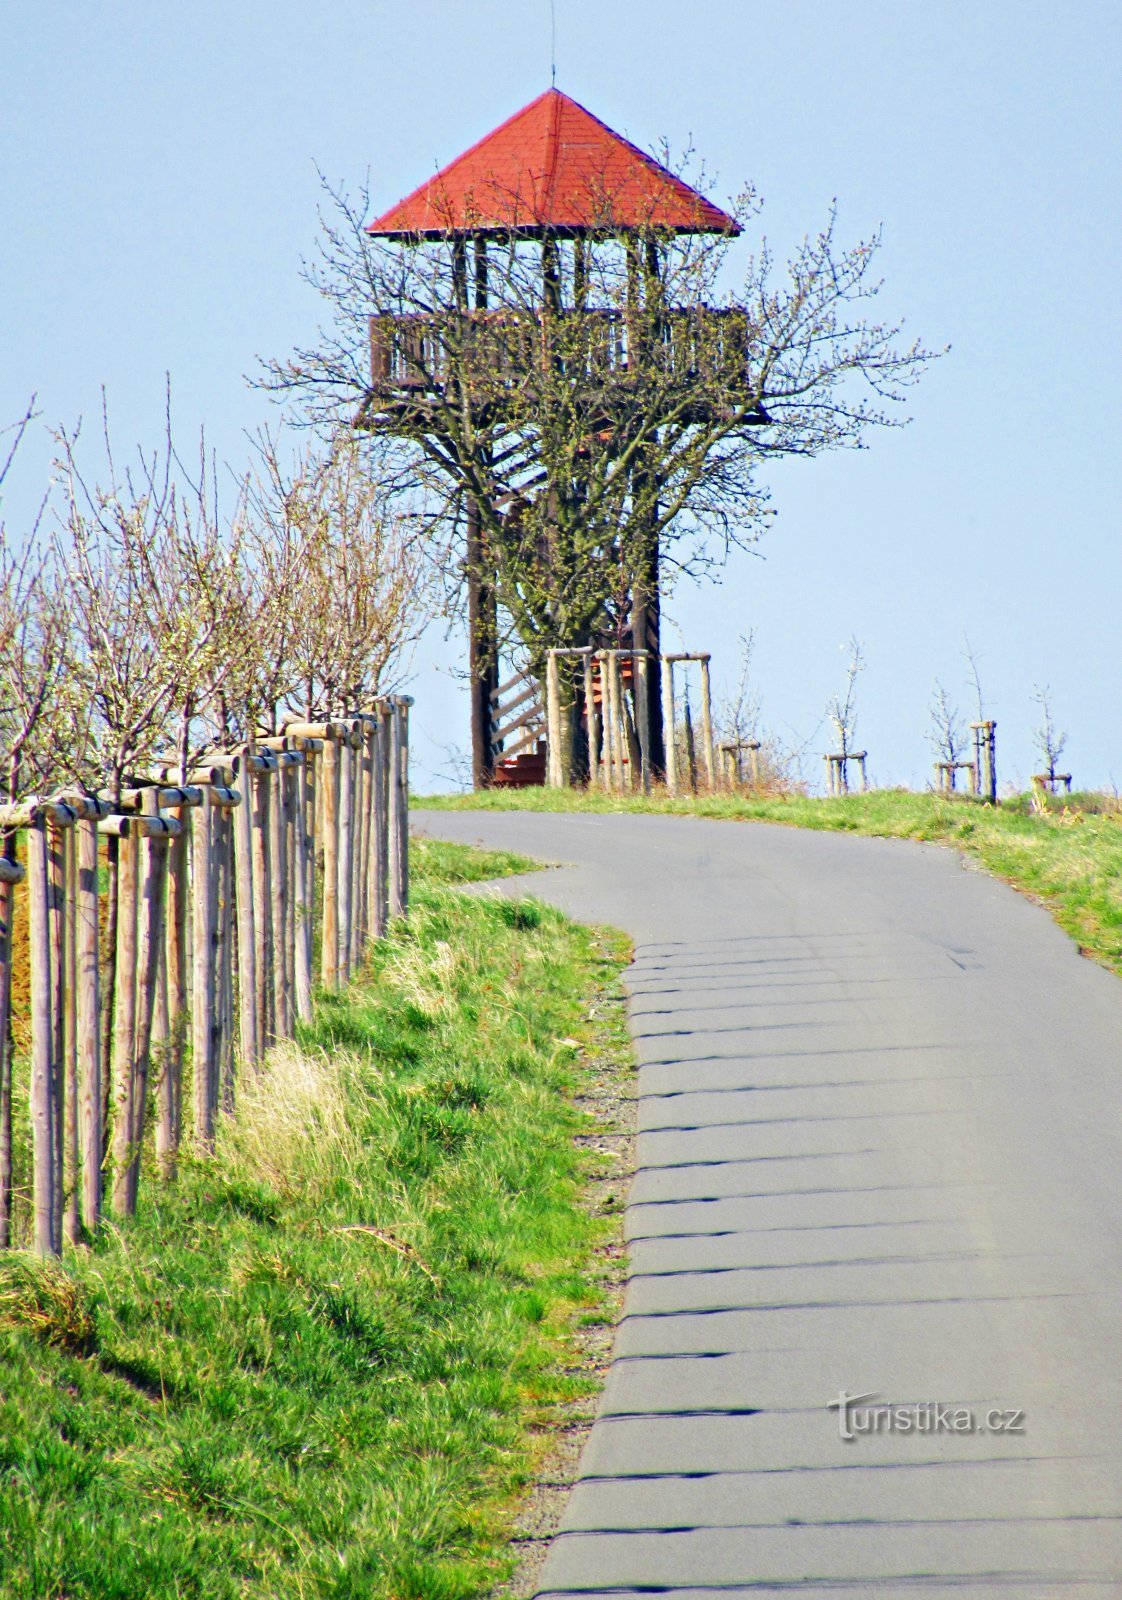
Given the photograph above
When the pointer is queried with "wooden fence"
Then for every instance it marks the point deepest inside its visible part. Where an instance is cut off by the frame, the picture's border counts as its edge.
(206, 949)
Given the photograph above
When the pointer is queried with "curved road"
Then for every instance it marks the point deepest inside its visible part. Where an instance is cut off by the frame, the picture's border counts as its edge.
(880, 1152)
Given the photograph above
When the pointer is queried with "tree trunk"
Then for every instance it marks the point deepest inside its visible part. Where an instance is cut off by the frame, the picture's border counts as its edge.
(483, 666)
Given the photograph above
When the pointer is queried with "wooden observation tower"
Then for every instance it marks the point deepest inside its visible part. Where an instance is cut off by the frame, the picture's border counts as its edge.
(452, 367)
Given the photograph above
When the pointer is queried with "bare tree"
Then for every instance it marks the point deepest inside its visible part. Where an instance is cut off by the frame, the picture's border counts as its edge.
(1049, 740)
(842, 708)
(364, 591)
(947, 736)
(974, 677)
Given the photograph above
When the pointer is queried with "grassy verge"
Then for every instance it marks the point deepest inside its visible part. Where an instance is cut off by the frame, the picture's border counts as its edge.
(322, 1362)
(1070, 858)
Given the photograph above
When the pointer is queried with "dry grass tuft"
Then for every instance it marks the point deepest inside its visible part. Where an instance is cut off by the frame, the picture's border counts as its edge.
(292, 1124)
(42, 1298)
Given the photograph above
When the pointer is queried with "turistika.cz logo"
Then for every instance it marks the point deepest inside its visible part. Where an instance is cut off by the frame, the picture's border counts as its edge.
(857, 1417)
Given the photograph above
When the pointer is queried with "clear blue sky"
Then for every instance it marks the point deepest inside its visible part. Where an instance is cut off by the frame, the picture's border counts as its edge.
(157, 173)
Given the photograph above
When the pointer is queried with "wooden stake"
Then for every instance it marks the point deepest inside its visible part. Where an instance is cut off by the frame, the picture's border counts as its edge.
(170, 1122)
(88, 1015)
(669, 727)
(641, 663)
(399, 809)
(278, 895)
(42, 1040)
(305, 881)
(382, 823)
(56, 872)
(11, 875)
(555, 776)
(72, 1218)
(329, 814)
(247, 954)
(345, 864)
(261, 783)
(592, 722)
(124, 1020)
(362, 853)
(290, 781)
(203, 997)
(707, 725)
(150, 940)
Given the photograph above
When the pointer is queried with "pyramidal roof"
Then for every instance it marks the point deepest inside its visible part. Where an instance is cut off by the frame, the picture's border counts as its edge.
(552, 166)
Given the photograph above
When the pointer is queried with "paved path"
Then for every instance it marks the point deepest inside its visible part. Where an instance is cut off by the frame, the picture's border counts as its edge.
(880, 1150)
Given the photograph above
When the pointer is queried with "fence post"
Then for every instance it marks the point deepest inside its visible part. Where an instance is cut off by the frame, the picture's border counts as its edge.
(87, 1020)
(42, 1039)
(152, 853)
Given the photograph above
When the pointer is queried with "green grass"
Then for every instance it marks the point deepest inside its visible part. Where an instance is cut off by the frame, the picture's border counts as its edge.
(1069, 859)
(321, 1364)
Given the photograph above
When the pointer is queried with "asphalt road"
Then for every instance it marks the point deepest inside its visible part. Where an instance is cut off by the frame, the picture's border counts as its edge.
(880, 1153)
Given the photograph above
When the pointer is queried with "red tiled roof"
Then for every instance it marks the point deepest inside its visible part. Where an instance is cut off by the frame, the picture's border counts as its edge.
(552, 165)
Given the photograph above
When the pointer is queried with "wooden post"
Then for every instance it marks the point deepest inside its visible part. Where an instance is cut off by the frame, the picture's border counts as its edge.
(261, 781)
(669, 726)
(293, 823)
(170, 1120)
(276, 892)
(362, 854)
(124, 1020)
(305, 880)
(88, 1017)
(641, 662)
(613, 749)
(203, 985)
(399, 810)
(224, 956)
(10, 874)
(555, 770)
(358, 799)
(382, 822)
(243, 819)
(707, 725)
(592, 720)
(71, 1172)
(346, 846)
(691, 753)
(152, 867)
(329, 812)
(403, 706)
(42, 1040)
(56, 871)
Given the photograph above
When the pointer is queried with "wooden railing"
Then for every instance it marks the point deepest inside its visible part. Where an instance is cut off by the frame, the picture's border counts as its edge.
(422, 353)
(221, 871)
